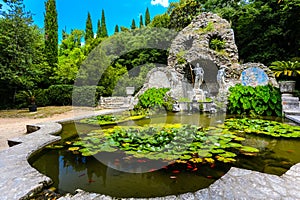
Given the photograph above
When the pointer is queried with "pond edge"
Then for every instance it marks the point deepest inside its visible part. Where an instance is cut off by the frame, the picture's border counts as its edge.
(20, 181)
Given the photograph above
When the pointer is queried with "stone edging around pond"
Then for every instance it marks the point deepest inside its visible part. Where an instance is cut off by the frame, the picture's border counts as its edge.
(19, 180)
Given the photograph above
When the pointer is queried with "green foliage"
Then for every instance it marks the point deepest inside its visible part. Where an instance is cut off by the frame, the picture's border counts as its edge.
(285, 68)
(152, 98)
(38, 97)
(183, 143)
(103, 25)
(168, 102)
(260, 100)
(89, 33)
(160, 21)
(60, 95)
(98, 35)
(133, 26)
(217, 44)
(23, 65)
(267, 26)
(87, 95)
(71, 55)
(51, 33)
(147, 17)
(180, 57)
(270, 29)
(141, 21)
(134, 77)
(182, 13)
(121, 53)
(117, 29)
(112, 119)
(263, 127)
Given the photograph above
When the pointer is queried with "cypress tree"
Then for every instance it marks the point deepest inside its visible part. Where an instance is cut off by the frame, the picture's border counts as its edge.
(64, 34)
(147, 17)
(98, 29)
(51, 33)
(103, 25)
(89, 33)
(133, 26)
(117, 29)
(141, 21)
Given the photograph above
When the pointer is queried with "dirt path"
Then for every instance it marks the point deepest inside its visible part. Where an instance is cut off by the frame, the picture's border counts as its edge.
(16, 126)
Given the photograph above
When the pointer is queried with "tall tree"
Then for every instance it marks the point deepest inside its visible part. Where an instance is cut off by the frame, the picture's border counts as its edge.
(64, 34)
(147, 17)
(103, 25)
(22, 61)
(89, 33)
(51, 33)
(141, 21)
(71, 55)
(98, 28)
(133, 26)
(117, 29)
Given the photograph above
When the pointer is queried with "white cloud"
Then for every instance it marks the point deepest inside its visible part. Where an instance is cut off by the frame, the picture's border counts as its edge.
(164, 3)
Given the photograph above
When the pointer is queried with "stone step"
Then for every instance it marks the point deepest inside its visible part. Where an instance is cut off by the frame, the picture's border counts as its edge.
(295, 118)
(290, 99)
(290, 104)
(292, 112)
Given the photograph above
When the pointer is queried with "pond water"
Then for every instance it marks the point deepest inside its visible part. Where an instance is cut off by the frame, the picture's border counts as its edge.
(142, 178)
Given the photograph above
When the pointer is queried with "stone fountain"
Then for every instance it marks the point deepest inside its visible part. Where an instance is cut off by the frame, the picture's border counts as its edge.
(197, 70)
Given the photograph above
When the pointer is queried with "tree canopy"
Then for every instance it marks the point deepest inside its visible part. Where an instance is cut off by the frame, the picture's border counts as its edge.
(265, 31)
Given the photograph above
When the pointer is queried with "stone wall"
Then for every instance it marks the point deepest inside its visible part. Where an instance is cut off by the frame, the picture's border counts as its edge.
(192, 43)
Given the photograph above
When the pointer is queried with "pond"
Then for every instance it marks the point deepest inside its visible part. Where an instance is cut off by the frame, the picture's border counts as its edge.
(127, 175)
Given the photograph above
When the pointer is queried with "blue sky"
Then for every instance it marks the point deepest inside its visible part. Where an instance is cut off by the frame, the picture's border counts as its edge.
(72, 14)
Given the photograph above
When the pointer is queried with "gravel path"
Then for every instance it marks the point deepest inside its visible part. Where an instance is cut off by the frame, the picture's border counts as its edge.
(15, 127)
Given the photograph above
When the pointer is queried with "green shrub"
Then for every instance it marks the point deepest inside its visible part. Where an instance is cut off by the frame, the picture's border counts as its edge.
(87, 95)
(60, 95)
(40, 95)
(152, 98)
(41, 98)
(260, 100)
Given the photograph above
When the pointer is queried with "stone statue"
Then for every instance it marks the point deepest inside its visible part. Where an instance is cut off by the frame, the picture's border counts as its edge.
(221, 78)
(199, 74)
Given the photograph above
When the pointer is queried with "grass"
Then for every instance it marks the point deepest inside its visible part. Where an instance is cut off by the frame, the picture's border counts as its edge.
(42, 112)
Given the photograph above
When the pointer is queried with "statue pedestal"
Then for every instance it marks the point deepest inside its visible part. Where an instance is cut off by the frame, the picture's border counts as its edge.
(199, 95)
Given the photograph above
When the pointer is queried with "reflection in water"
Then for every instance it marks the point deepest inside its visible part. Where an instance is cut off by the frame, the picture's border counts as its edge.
(72, 171)
(89, 174)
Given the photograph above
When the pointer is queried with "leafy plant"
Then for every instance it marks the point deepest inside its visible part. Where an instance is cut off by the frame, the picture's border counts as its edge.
(285, 68)
(180, 57)
(169, 142)
(152, 98)
(210, 27)
(112, 119)
(260, 100)
(263, 127)
(217, 44)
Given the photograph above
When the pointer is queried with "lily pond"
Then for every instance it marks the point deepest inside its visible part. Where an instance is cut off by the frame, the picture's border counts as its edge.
(163, 154)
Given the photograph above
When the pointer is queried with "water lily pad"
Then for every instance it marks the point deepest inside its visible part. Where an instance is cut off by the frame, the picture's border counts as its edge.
(228, 155)
(225, 160)
(73, 148)
(249, 149)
